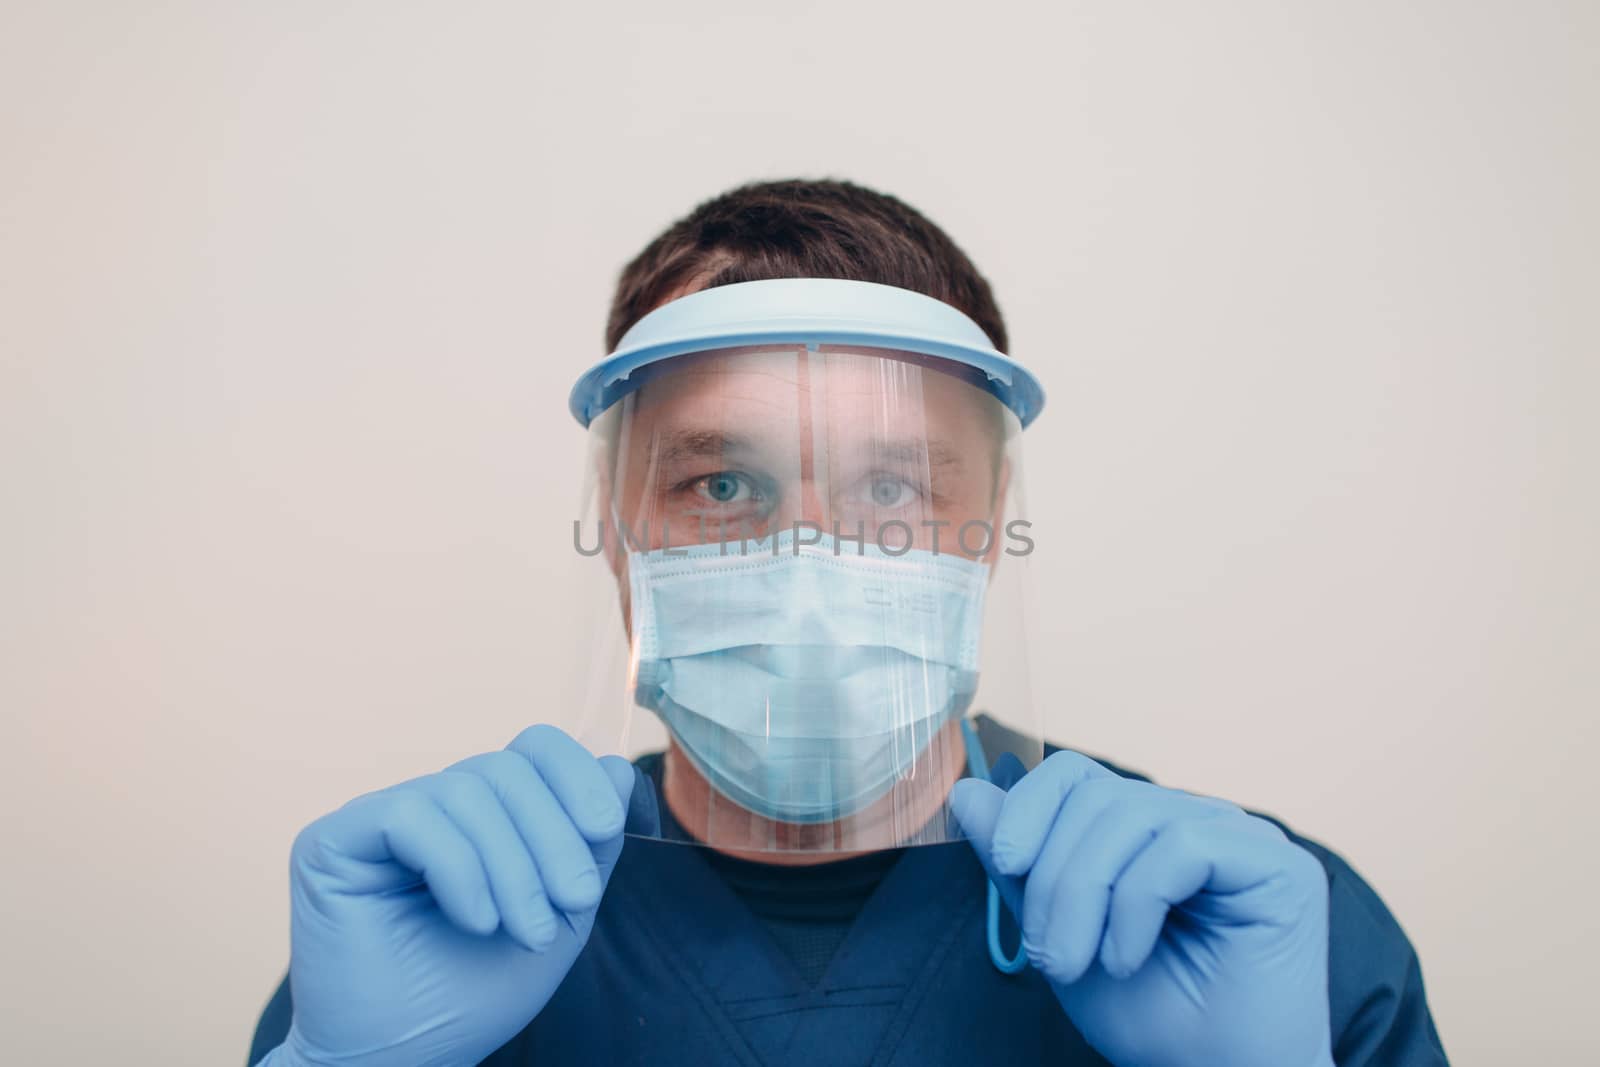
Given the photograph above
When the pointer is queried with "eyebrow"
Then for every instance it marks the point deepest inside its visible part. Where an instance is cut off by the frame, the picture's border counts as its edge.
(677, 445)
(916, 453)
(698, 444)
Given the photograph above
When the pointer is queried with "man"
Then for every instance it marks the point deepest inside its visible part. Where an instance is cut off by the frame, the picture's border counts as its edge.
(807, 389)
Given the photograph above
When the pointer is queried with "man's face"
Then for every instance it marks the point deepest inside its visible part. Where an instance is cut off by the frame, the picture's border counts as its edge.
(891, 449)
(743, 443)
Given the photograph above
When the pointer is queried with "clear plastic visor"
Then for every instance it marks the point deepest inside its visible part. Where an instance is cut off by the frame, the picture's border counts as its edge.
(807, 560)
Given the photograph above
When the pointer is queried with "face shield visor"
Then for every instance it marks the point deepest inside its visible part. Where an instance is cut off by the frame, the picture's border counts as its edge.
(809, 557)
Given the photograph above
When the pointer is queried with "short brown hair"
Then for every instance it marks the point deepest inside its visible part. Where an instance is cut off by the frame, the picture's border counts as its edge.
(799, 228)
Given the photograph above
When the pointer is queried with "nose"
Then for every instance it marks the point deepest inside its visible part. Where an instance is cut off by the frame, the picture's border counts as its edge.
(804, 504)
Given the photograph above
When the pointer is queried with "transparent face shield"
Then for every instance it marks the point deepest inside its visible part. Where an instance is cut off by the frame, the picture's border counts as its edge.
(809, 567)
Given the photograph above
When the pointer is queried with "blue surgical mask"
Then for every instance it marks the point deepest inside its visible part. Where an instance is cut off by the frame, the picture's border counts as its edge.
(805, 679)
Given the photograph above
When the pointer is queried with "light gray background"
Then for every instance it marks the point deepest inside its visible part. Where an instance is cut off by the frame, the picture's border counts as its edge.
(291, 296)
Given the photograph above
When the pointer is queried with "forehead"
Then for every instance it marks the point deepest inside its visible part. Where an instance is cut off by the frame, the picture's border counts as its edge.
(852, 392)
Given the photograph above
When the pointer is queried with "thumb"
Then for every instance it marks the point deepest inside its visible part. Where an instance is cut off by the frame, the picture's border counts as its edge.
(976, 805)
(622, 775)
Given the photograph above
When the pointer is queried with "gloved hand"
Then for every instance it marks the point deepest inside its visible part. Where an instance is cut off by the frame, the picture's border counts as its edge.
(1175, 929)
(433, 920)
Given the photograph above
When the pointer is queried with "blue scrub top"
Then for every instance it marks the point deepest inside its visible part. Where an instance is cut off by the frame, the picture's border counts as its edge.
(679, 971)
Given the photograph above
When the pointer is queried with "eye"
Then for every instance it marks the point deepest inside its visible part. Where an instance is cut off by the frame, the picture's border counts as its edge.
(886, 492)
(725, 487)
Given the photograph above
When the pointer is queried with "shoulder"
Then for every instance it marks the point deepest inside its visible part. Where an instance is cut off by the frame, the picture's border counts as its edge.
(1377, 1000)
(273, 1028)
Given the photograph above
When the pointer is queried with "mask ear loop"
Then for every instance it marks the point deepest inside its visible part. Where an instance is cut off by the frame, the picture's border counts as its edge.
(978, 767)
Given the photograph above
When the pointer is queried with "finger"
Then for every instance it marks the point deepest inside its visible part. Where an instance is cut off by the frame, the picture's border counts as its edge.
(407, 827)
(976, 805)
(624, 777)
(1103, 850)
(1030, 808)
(566, 867)
(477, 811)
(1082, 806)
(576, 778)
(1100, 852)
(1228, 855)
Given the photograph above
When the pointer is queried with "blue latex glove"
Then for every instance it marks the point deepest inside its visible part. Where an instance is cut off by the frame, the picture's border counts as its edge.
(1175, 929)
(433, 920)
